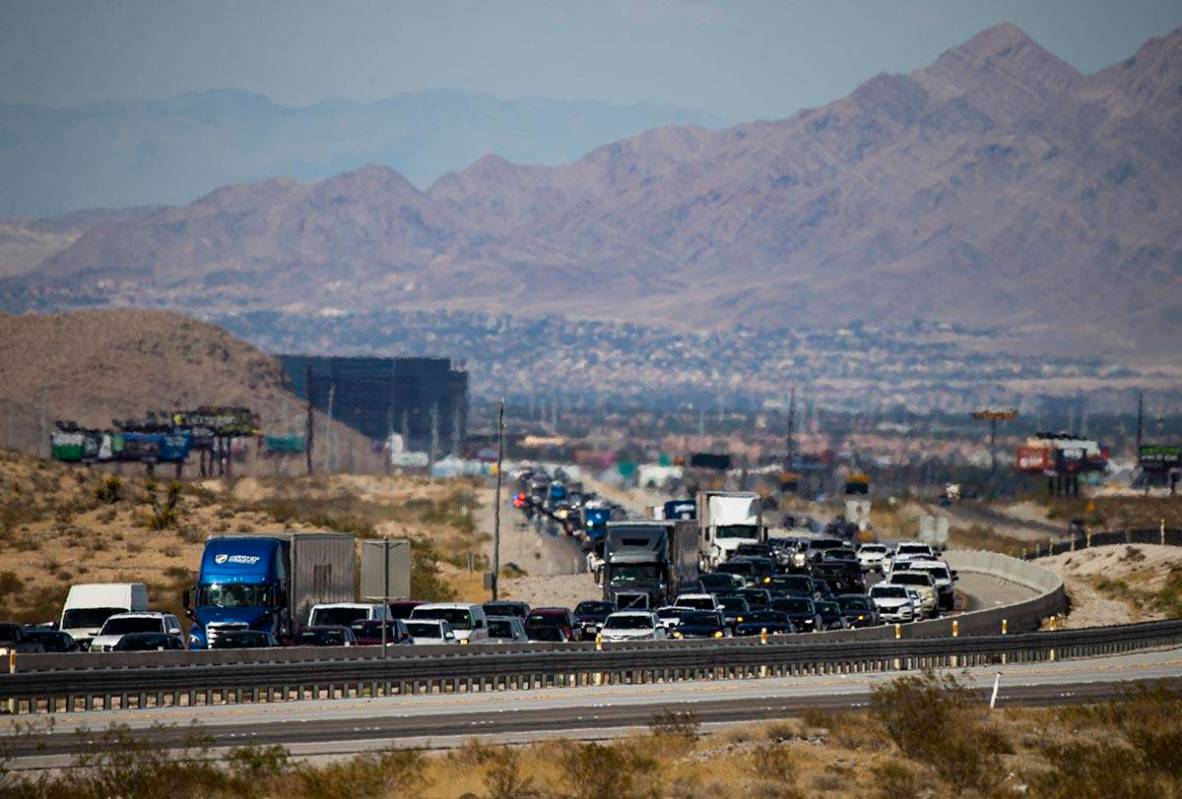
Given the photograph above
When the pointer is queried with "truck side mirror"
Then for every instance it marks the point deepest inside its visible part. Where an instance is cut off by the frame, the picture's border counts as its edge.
(187, 602)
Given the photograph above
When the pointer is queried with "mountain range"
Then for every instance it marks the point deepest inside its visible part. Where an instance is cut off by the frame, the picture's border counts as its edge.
(165, 152)
(997, 187)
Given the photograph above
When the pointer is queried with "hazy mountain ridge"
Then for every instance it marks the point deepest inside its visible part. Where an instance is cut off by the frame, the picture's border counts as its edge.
(998, 186)
(170, 151)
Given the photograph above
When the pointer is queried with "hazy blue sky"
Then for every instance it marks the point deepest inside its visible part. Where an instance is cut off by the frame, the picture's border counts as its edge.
(742, 60)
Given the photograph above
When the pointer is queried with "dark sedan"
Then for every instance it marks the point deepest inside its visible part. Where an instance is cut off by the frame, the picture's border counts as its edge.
(801, 610)
(757, 598)
(701, 624)
(772, 621)
(859, 610)
(735, 610)
(326, 635)
(147, 642)
(830, 613)
(793, 585)
(51, 640)
(591, 614)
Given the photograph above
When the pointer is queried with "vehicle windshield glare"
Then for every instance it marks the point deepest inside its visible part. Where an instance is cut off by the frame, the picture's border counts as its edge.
(828, 608)
(634, 572)
(232, 595)
(889, 592)
(628, 623)
(133, 624)
(458, 618)
(338, 616)
(88, 617)
(500, 629)
(737, 531)
(699, 602)
(733, 603)
(424, 629)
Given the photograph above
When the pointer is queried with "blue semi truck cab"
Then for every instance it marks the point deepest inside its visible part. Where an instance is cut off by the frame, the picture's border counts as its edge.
(267, 583)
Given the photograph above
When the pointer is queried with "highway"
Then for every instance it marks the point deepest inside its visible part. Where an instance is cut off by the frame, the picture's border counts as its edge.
(345, 726)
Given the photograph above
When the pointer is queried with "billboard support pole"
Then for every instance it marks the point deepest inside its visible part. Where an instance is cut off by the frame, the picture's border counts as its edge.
(385, 593)
(309, 427)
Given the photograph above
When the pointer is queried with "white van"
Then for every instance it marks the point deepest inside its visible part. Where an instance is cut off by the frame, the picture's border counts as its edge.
(468, 621)
(89, 605)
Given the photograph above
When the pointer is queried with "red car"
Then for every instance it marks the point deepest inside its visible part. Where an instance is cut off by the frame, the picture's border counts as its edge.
(401, 608)
(561, 618)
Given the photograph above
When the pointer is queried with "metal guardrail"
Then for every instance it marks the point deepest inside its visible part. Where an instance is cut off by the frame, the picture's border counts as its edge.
(1165, 536)
(482, 669)
(49, 683)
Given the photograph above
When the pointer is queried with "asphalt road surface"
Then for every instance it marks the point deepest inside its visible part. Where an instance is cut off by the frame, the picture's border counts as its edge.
(315, 728)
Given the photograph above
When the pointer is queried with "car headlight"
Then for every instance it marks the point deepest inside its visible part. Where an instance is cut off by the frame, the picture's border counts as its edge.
(717, 634)
(739, 619)
(677, 635)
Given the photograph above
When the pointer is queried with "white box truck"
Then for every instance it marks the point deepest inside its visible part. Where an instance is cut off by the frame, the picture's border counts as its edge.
(89, 605)
(725, 520)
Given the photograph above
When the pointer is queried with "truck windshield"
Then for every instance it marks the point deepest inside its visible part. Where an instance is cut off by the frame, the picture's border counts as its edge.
(232, 595)
(737, 531)
(634, 572)
(88, 617)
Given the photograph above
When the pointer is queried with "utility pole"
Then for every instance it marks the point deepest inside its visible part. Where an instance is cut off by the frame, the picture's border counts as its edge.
(331, 454)
(1140, 420)
(434, 433)
(41, 444)
(309, 427)
(390, 424)
(496, 572)
(455, 428)
(788, 444)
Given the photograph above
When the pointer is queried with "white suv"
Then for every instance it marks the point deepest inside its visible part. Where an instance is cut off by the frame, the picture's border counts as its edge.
(893, 602)
(121, 624)
(467, 621)
(871, 556)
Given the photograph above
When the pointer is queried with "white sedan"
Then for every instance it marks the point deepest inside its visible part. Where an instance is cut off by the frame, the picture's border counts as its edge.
(633, 625)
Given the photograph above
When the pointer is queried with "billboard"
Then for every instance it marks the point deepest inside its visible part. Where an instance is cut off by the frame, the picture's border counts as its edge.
(1034, 459)
(1160, 457)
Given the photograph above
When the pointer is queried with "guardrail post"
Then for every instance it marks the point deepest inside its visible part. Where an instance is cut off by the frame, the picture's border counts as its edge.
(12, 670)
(1088, 538)
(763, 635)
(1163, 532)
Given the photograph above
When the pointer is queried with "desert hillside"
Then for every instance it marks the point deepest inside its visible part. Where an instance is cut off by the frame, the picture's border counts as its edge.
(97, 365)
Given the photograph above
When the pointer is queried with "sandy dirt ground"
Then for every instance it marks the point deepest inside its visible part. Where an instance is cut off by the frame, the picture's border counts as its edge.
(1143, 566)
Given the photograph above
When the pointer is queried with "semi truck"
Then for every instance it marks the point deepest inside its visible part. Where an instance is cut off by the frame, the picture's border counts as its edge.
(725, 520)
(267, 582)
(646, 564)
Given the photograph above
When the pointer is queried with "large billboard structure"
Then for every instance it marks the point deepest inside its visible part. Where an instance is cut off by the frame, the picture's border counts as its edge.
(424, 400)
